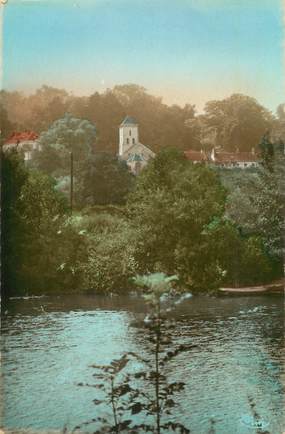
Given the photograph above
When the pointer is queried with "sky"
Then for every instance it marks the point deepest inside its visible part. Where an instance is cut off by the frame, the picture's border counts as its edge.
(186, 51)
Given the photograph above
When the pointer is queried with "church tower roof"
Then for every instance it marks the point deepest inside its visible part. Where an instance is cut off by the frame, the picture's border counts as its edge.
(129, 120)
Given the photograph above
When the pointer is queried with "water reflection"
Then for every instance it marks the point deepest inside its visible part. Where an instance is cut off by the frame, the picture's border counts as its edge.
(49, 343)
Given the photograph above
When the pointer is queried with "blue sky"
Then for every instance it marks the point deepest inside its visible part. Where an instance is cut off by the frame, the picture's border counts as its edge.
(183, 50)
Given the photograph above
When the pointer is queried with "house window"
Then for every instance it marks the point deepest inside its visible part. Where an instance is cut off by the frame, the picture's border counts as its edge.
(130, 132)
(128, 141)
(133, 141)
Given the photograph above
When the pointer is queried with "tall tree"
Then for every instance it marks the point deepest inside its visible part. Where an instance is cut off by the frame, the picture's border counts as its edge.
(31, 213)
(237, 122)
(172, 205)
(66, 135)
(104, 180)
(7, 126)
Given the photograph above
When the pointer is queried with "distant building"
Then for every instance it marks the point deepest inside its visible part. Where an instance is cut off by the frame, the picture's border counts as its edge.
(232, 160)
(228, 160)
(131, 150)
(196, 156)
(26, 142)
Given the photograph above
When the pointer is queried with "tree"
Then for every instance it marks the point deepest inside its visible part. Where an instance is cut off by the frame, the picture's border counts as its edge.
(14, 176)
(236, 122)
(46, 105)
(159, 169)
(160, 125)
(110, 249)
(256, 203)
(279, 125)
(270, 202)
(39, 249)
(7, 126)
(66, 135)
(107, 112)
(105, 180)
(242, 259)
(172, 205)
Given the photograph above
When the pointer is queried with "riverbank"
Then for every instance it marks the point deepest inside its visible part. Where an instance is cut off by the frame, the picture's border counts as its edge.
(271, 288)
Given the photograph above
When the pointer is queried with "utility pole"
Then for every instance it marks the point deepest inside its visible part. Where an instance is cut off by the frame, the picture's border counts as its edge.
(71, 181)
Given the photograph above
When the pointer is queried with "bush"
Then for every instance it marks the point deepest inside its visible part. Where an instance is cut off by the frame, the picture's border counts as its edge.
(111, 249)
(171, 207)
(41, 250)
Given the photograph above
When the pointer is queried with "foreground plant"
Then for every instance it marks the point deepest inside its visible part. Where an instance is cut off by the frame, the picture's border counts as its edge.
(158, 290)
(118, 394)
(257, 422)
(144, 392)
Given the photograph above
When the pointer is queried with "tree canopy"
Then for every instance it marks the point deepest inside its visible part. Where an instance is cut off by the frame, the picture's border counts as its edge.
(174, 206)
(104, 180)
(65, 135)
(238, 121)
(36, 239)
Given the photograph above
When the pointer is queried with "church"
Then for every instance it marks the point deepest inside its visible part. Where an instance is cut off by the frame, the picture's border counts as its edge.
(131, 150)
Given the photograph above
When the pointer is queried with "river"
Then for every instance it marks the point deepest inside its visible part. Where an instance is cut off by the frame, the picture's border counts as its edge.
(49, 343)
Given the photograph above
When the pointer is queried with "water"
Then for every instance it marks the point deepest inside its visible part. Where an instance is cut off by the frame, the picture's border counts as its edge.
(48, 345)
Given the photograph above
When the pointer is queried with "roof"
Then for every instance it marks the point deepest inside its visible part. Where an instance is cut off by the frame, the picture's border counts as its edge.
(222, 157)
(195, 155)
(129, 120)
(140, 145)
(135, 157)
(235, 157)
(18, 137)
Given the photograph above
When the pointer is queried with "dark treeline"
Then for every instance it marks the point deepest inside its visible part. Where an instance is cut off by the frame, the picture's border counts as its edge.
(236, 122)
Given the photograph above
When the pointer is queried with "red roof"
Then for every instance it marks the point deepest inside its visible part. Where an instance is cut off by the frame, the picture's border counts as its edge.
(222, 157)
(235, 157)
(21, 137)
(195, 155)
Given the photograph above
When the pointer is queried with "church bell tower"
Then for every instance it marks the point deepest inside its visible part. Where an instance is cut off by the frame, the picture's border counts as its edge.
(128, 134)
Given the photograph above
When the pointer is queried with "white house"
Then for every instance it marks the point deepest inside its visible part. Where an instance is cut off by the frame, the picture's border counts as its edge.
(131, 150)
(26, 142)
(232, 160)
(227, 160)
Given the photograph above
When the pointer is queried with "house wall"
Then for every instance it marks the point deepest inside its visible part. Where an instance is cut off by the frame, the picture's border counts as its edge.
(27, 146)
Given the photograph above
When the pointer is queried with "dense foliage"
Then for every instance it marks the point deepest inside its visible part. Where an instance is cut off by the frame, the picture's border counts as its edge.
(234, 122)
(110, 251)
(174, 205)
(208, 227)
(104, 180)
(67, 134)
(39, 248)
(255, 204)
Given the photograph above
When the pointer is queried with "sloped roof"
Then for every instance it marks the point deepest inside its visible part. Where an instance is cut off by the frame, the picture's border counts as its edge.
(135, 157)
(129, 120)
(235, 157)
(195, 155)
(18, 137)
(135, 145)
(222, 157)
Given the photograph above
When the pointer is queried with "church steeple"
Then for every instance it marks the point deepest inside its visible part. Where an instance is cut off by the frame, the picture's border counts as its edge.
(128, 134)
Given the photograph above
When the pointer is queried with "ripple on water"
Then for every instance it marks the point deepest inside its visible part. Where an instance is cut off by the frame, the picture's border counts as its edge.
(238, 353)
